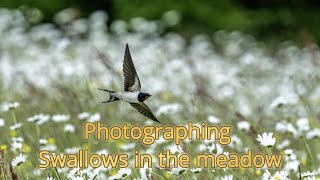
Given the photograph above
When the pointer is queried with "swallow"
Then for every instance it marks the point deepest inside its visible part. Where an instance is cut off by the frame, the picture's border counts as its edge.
(132, 89)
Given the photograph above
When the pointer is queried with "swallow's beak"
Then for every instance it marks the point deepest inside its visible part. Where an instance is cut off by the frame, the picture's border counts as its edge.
(147, 97)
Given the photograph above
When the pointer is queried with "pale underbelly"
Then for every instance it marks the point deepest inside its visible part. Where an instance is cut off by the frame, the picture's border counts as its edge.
(131, 97)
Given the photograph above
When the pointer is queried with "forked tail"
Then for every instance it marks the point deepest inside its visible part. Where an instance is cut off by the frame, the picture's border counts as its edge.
(112, 98)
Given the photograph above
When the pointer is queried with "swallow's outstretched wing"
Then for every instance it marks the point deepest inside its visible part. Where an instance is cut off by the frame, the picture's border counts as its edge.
(143, 109)
(131, 78)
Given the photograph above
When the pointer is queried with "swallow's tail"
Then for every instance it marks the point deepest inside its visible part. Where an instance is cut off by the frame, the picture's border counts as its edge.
(112, 98)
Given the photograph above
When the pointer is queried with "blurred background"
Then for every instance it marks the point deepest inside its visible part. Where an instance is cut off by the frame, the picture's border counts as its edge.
(254, 65)
(270, 20)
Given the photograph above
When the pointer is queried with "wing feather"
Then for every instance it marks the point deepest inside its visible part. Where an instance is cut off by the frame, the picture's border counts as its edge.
(143, 109)
(131, 78)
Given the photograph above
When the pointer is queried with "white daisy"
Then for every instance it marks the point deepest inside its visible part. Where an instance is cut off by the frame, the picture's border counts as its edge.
(16, 146)
(243, 126)
(60, 117)
(49, 147)
(235, 142)
(115, 177)
(292, 129)
(288, 152)
(169, 109)
(279, 175)
(292, 157)
(292, 166)
(175, 149)
(283, 144)
(43, 141)
(227, 177)
(145, 172)
(16, 126)
(283, 100)
(39, 118)
(303, 125)
(196, 170)
(83, 115)
(281, 127)
(43, 119)
(69, 128)
(4, 107)
(19, 160)
(17, 139)
(314, 133)
(124, 172)
(266, 139)
(94, 118)
(309, 174)
(2, 123)
(177, 171)
(14, 105)
(215, 149)
(214, 120)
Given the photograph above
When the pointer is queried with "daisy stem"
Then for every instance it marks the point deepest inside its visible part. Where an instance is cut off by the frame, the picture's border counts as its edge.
(157, 175)
(25, 172)
(56, 173)
(217, 171)
(13, 116)
(300, 178)
(3, 176)
(270, 154)
(309, 152)
(186, 175)
(194, 176)
(235, 174)
(38, 132)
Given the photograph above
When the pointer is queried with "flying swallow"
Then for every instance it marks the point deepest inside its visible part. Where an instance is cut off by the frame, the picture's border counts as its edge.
(132, 87)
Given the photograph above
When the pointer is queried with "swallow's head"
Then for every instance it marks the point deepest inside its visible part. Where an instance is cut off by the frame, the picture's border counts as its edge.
(143, 96)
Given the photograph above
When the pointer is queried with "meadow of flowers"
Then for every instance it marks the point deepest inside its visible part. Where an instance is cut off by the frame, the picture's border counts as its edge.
(49, 75)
